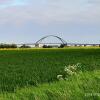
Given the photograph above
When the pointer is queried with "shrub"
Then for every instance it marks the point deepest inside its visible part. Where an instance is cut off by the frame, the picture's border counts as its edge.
(62, 46)
(13, 46)
(45, 46)
(25, 46)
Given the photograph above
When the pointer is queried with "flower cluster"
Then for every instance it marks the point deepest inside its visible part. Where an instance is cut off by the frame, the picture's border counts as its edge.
(60, 77)
(69, 71)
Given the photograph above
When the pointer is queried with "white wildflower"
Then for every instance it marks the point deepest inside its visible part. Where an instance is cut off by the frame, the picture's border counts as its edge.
(69, 71)
(60, 77)
(65, 69)
(72, 68)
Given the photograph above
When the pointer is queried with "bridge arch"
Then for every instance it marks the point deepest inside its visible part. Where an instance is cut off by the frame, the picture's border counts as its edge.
(59, 38)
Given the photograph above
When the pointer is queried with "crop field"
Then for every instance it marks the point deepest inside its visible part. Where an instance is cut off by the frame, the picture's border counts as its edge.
(30, 67)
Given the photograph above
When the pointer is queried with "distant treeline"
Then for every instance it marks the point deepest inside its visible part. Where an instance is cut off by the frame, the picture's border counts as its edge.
(13, 46)
(8, 45)
(2, 45)
(48, 46)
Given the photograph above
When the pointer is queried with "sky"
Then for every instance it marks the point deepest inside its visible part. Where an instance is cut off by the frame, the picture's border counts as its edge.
(26, 21)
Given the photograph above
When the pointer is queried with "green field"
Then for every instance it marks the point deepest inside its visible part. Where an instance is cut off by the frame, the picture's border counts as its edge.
(22, 69)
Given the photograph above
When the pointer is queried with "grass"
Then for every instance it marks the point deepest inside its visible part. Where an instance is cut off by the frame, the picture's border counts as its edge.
(83, 86)
(32, 67)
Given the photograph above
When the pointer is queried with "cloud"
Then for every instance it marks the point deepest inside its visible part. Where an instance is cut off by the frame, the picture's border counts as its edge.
(94, 1)
(3, 1)
(48, 11)
(9, 3)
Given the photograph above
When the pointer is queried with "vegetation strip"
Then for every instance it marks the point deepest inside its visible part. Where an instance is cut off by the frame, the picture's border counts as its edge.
(31, 67)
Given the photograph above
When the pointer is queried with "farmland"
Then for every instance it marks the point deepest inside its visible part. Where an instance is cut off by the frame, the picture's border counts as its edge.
(32, 67)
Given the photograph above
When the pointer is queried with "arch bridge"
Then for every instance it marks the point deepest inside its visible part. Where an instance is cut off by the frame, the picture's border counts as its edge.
(59, 38)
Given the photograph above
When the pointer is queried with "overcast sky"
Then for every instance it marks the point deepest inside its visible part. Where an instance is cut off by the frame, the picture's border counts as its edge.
(25, 21)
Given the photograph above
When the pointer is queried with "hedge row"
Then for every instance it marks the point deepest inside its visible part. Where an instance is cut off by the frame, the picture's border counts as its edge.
(8, 46)
(48, 46)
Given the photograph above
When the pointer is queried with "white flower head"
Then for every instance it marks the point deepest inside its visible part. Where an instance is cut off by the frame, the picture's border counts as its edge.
(60, 77)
